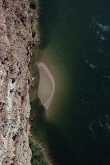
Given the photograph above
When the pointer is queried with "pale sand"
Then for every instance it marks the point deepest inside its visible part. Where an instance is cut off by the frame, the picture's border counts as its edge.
(46, 85)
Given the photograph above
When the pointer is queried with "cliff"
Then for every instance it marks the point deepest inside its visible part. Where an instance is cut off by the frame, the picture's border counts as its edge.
(15, 53)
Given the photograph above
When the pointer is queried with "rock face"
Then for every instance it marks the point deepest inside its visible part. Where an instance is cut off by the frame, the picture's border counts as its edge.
(15, 53)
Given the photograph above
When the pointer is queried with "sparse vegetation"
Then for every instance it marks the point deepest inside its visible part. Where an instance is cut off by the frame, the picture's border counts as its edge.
(38, 155)
(33, 4)
(37, 115)
(39, 134)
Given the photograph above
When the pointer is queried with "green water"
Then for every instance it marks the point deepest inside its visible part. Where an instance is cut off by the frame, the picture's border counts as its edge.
(65, 30)
(62, 42)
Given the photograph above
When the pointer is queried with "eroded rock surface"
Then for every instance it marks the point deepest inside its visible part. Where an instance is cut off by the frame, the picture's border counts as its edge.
(15, 53)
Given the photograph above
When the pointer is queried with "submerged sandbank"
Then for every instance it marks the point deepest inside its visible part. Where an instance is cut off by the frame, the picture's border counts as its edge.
(46, 88)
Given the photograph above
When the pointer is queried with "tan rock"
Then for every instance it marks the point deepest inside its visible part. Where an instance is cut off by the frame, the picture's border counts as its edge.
(15, 52)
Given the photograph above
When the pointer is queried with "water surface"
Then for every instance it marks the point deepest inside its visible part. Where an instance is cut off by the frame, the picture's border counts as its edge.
(74, 48)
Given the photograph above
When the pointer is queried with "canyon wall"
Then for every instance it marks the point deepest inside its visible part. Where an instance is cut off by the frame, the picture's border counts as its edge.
(15, 53)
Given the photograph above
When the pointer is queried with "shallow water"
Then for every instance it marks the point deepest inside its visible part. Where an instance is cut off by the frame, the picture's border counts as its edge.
(46, 88)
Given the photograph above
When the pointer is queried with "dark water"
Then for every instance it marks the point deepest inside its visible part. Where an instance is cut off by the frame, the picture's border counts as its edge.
(76, 34)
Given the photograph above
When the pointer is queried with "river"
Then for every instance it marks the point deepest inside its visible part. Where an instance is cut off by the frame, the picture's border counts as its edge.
(70, 50)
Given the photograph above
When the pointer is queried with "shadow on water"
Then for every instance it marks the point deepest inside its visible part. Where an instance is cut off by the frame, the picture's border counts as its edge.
(50, 136)
(47, 14)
